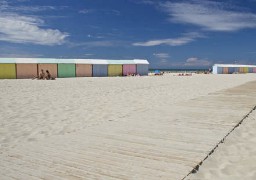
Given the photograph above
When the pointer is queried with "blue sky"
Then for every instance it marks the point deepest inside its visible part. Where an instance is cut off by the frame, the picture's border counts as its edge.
(170, 34)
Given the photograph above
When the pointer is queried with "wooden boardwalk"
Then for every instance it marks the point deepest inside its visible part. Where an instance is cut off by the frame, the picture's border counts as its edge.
(166, 146)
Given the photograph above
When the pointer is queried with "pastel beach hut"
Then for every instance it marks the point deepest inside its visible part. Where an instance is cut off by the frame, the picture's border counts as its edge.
(233, 68)
(141, 67)
(99, 68)
(83, 68)
(48, 64)
(7, 68)
(115, 67)
(66, 68)
(24, 68)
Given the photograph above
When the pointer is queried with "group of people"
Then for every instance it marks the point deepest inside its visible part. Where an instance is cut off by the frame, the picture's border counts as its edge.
(132, 74)
(45, 76)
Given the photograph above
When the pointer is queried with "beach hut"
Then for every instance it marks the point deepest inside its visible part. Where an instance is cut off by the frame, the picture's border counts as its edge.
(246, 69)
(99, 68)
(83, 67)
(219, 70)
(7, 68)
(31, 67)
(236, 70)
(141, 67)
(241, 70)
(7, 71)
(254, 69)
(129, 69)
(26, 70)
(232, 68)
(115, 70)
(83, 70)
(66, 70)
(52, 68)
(225, 70)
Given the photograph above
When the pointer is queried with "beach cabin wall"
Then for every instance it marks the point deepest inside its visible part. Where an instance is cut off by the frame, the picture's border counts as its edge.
(225, 70)
(21, 68)
(115, 70)
(83, 70)
(100, 70)
(219, 70)
(241, 70)
(236, 69)
(7, 71)
(52, 68)
(129, 69)
(26, 71)
(214, 69)
(66, 70)
(142, 69)
(246, 69)
(233, 68)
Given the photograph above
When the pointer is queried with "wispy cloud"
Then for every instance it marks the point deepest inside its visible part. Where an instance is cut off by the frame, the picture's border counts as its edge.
(150, 2)
(5, 6)
(86, 11)
(91, 44)
(194, 61)
(101, 11)
(213, 16)
(161, 55)
(185, 39)
(16, 28)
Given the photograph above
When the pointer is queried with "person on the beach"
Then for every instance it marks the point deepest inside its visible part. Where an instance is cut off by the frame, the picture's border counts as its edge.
(49, 76)
(41, 75)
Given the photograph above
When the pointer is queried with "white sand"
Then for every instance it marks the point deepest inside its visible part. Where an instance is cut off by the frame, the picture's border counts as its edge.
(235, 159)
(32, 111)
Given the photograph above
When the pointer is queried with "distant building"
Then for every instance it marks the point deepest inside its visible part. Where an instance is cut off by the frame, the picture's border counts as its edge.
(233, 68)
(24, 68)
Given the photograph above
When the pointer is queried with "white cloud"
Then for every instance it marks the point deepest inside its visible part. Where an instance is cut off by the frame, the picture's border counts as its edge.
(187, 38)
(18, 28)
(161, 55)
(24, 29)
(101, 11)
(86, 11)
(213, 16)
(94, 44)
(150, 2)
(6, 7)
(193, 61)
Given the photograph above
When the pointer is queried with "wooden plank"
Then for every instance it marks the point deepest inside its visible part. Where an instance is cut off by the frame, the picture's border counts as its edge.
(168, 147)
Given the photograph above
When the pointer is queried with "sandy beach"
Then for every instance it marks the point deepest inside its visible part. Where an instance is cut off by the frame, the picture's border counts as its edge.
(35, 114)
(235, 158)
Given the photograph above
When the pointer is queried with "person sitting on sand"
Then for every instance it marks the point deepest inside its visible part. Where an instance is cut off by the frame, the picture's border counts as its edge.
(49, 76)
(41, 75)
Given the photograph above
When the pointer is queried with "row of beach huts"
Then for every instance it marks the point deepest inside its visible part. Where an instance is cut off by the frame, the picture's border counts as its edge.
(233, 69)
(24, 68)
